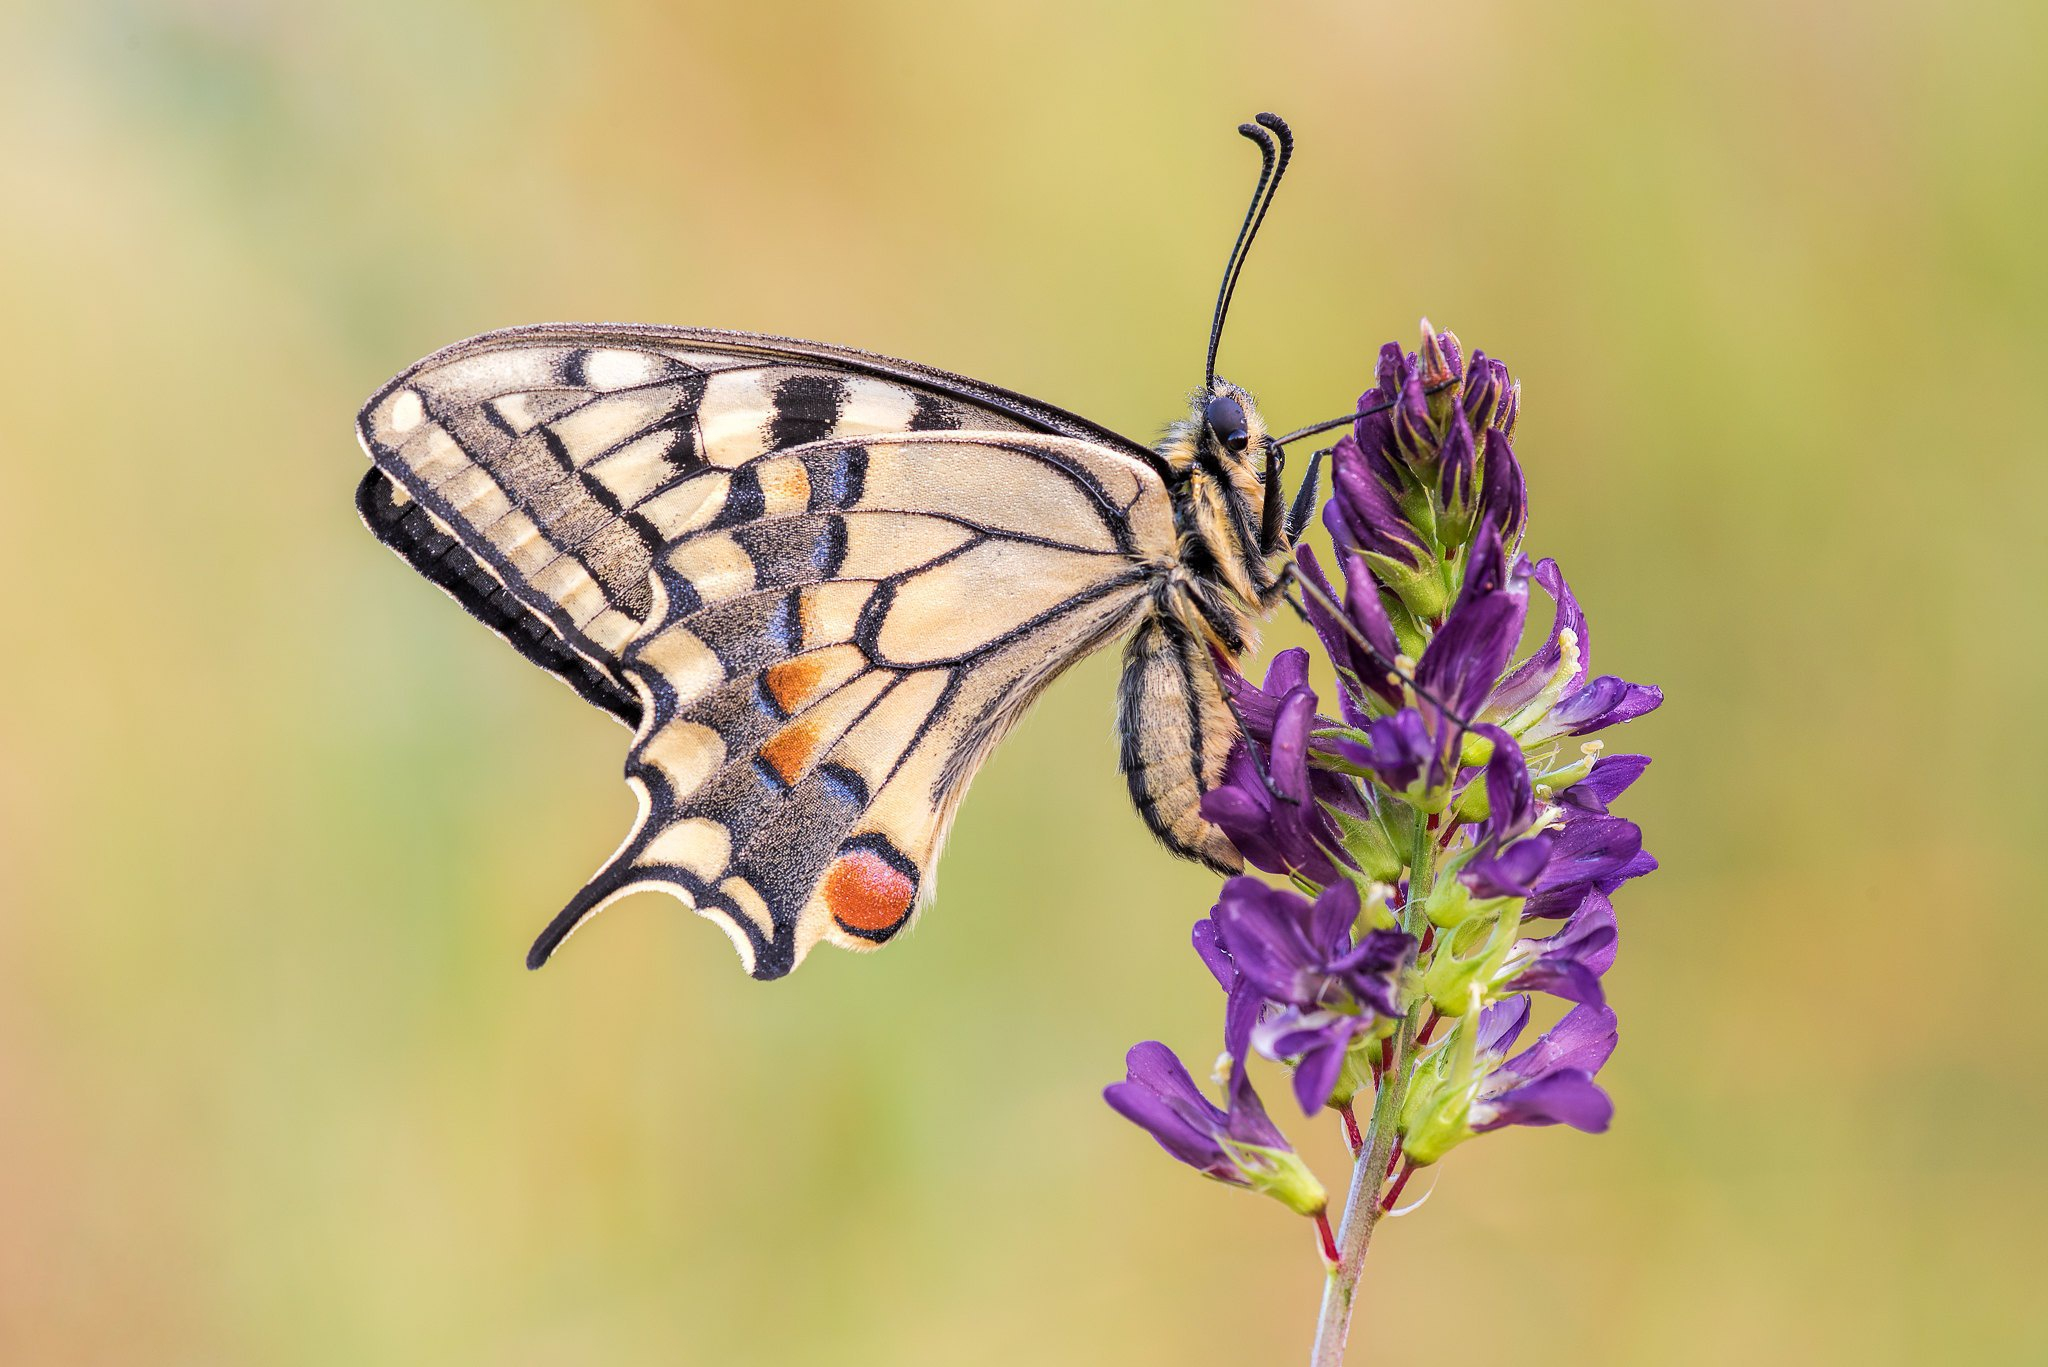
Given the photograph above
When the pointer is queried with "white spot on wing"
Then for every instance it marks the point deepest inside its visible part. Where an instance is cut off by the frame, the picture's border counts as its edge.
(612, 368)
(407, 411)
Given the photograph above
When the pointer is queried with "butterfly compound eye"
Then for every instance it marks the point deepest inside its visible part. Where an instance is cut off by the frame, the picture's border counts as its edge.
(1225, 417)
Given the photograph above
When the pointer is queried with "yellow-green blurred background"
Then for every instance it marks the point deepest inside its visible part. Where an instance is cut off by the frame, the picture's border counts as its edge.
(277, 820)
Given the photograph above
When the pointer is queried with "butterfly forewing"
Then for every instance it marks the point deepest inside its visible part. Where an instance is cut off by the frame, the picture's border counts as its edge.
(552, 456)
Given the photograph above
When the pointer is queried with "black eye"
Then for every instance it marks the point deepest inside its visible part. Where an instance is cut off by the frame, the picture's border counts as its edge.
(1225, 417)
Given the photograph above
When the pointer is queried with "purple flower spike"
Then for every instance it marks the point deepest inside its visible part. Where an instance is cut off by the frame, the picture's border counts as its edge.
(1454, 768)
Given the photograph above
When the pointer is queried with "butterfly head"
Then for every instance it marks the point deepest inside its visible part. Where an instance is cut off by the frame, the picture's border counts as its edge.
(1224, 474)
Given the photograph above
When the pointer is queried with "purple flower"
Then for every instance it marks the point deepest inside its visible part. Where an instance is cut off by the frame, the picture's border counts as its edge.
(1318, 1043)
(1239, 1145)
(1464, 660)
(1467, 1087)
(1551, 1082)
(1273, 804)
(1300, 956)
(1363, 515)
(1300, 953)
(1570, 962)
(1400, 749)
(1369, 665)
(1548, 695)
(1588, 852)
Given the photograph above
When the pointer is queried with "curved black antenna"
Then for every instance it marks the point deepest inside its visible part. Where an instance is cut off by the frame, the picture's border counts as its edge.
(1276, 145)
(1309, 431)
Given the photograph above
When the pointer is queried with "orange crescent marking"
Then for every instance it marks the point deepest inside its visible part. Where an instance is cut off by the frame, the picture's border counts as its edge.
(792, 682)
(789, 749)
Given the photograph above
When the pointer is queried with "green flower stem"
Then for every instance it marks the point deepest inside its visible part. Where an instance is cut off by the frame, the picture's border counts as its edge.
(1369, 1173)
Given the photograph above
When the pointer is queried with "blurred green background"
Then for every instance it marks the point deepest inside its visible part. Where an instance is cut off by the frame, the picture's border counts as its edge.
(273, 1085)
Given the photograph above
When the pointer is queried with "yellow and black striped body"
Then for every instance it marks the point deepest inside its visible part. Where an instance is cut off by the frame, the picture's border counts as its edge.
(820, 585)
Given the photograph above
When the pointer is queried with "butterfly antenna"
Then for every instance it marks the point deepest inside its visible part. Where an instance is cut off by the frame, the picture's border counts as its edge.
(1276, 145)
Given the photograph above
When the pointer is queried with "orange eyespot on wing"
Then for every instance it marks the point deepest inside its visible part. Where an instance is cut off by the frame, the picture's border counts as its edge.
(870, 888)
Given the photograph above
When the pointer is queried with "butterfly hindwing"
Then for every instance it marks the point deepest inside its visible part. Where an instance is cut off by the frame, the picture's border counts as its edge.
(839, 634)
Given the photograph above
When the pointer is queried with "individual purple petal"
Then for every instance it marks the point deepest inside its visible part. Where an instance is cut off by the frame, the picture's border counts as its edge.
(1587, 850)
(1159, 1097)
(1589, 936)
(1362, 514)
(1331, 916)
(1258, 704)
(1315, 1042)
(1513, 872)
(1214, 956)
(1459, 476)
(1369, 662)
(1501, 1024)
(1372, 967)
(1607, 701)
(1510, 793)
(1486, 384)
(1640, 863)
(1287, 756)
(1412, 428)
(1610, 777)
(1246, 1121)
(1273, 834)
(1521, 686)
(1584, 1040)
(1400, 750)
(1465, 658)
(1563, 978)
(1503, 495)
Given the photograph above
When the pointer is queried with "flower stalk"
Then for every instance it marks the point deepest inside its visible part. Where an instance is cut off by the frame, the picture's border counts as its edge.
(1362, 1208)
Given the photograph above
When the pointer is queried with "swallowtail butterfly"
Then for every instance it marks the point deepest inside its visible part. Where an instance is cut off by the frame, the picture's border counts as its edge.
(820, 585)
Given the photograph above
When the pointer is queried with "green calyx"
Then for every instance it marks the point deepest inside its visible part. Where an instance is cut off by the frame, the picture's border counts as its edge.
(1280, 1174)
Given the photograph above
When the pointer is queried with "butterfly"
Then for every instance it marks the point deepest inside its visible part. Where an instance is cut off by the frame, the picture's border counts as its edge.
(820, 585)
